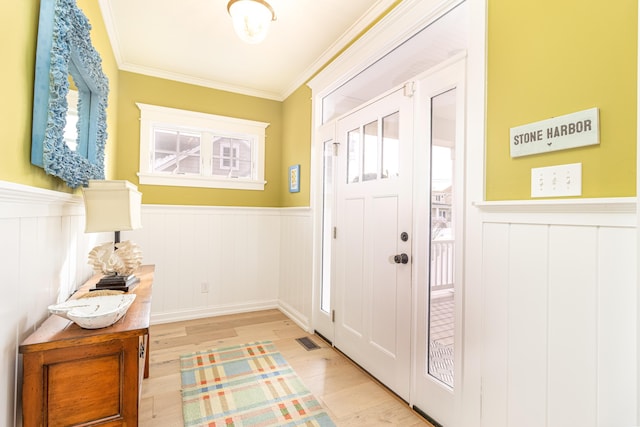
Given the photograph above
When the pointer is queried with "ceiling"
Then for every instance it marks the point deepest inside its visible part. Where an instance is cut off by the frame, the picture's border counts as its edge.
(193, 41)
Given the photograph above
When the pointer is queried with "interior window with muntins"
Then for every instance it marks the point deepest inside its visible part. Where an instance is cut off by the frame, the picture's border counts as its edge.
(176, 151)
(232, 157)
(191, 149)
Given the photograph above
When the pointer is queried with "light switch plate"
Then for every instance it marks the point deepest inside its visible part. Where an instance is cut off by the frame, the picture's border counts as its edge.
(557, 181)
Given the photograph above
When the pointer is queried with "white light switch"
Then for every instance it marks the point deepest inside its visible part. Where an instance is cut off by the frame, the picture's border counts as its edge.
(557, 181)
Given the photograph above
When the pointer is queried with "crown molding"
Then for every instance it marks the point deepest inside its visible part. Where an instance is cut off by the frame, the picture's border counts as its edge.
(183, 78)
(347, 37)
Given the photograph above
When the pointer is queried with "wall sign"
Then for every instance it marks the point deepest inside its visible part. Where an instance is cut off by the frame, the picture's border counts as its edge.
(559, 133)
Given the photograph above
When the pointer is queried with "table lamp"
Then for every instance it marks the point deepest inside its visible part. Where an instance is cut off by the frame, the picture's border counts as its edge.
(113, 206)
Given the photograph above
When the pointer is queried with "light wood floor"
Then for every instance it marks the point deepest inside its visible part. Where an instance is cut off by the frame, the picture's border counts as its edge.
(350, 396)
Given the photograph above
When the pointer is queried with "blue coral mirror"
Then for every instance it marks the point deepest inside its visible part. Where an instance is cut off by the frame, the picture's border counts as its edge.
(66, 58)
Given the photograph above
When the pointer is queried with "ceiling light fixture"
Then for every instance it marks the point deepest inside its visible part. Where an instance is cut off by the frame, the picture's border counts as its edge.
(251, 19)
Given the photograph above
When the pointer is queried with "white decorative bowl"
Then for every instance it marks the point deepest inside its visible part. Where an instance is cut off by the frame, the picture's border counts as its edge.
(94, 312)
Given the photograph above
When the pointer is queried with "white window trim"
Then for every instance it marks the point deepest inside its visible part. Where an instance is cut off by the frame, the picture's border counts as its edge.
(151, 115)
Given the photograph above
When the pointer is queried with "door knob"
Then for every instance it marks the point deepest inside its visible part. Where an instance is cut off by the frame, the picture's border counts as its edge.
(401, 259)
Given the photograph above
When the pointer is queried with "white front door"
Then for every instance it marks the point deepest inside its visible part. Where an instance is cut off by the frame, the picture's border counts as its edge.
(373, 239)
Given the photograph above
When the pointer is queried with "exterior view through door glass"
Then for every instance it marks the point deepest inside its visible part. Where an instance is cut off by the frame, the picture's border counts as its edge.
(441, 267)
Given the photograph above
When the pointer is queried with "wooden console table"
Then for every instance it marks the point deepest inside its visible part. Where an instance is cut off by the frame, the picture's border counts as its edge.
(74, 376)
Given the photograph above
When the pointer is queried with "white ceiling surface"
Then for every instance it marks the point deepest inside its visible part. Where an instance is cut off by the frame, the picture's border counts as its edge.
(193, 41)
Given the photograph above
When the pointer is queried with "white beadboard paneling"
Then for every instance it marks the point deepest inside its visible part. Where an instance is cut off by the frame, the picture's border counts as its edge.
(572, 326)
(154, 244)
(267, 275)
(495, 326)
(180, 241)
(43, 258)
(236, 251)
(10, 319)
(215, 258)
(31, 274)
(527, 334)
(295, 293)
(202, 260)
(570, 348)
(617, 330)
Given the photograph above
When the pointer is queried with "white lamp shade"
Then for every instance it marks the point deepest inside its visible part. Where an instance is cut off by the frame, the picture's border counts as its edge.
(111, 206)
(251, 19)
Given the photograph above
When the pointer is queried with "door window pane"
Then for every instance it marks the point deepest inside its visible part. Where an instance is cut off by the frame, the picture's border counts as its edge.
(370, 151)
(390, 145)
(353, 153)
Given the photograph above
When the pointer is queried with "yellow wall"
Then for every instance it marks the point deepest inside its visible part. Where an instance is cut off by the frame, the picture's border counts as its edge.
(19, 30)
(150, 90)
(545, 59)
(549, 58)
(296, 147)
(19, 23)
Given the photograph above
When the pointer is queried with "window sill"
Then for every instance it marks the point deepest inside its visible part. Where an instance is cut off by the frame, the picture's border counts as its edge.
(200, 181)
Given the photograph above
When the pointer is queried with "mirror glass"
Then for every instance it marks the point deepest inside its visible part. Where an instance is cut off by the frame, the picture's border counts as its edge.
(71, 126)
(66, 58)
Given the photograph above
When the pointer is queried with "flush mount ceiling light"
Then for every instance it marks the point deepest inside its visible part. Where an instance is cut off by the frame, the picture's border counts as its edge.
(251, 19)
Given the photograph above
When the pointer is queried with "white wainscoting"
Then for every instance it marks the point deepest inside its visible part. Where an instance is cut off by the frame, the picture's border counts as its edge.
(43, 259)
(249, 258)
(560, 307)
(296, 263)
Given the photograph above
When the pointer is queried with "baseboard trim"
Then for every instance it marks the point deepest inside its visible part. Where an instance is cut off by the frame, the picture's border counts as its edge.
(221, 310)
(293, 314)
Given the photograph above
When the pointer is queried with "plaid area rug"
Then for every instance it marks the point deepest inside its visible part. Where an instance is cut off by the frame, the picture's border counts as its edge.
(246, 385)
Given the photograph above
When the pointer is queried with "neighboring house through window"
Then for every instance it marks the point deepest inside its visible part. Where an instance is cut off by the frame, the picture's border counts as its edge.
(186, 148)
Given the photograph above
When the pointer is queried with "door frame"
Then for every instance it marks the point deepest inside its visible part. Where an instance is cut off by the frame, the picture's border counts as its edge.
(404, 21)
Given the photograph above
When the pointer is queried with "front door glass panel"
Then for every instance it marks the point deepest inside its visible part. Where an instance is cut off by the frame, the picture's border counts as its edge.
(390, 146)
(441, 268)
(327, 224)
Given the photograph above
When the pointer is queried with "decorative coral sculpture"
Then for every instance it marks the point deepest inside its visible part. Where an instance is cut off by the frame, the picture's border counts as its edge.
(123, 260)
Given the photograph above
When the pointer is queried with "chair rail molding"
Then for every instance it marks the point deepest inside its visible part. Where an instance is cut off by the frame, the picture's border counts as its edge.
(612, 212)
(18, 200)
